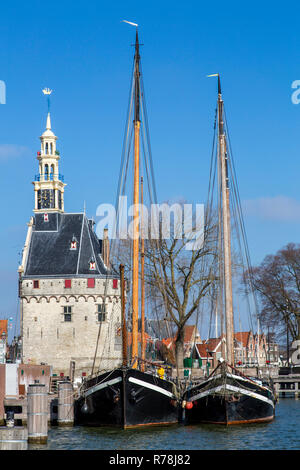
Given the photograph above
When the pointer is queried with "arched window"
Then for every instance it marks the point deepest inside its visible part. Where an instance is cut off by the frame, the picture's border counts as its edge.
(51, 172)
(46, 172)
(46, 148)
(51, 149)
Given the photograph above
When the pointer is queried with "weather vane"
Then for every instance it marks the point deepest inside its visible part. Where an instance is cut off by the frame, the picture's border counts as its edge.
(129, 22)
(47, 92)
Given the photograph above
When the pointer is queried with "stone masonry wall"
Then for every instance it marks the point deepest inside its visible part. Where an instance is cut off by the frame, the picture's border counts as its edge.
(49, 339)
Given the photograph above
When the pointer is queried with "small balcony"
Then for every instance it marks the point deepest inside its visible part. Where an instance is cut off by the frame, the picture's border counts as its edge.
(49, 177)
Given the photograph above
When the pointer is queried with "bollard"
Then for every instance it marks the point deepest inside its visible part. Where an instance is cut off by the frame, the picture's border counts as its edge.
(37, 413)
(13, 438)
(65, 415)
(296, 390)
(10, 419)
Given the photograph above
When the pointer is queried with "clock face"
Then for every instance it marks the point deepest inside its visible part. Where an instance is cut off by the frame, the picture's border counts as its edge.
(45, 199)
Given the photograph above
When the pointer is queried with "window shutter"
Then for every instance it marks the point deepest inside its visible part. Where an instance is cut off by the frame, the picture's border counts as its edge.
(91, 282)
(67, 283)
(115, 283)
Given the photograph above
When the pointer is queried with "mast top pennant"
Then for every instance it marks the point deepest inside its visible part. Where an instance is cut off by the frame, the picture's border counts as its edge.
(129, 22)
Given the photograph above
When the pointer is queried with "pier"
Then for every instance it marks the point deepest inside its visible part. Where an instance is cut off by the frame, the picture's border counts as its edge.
(287, 386)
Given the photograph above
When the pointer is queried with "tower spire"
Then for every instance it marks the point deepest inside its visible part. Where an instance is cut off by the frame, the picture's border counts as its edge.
(48, 184)
(48, 92)
(48, 123)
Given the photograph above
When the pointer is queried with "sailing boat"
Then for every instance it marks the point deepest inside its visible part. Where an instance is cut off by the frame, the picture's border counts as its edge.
(227, 396)
(128, 396)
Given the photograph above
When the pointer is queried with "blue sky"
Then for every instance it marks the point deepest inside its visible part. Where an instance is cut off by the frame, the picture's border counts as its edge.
(83, 52)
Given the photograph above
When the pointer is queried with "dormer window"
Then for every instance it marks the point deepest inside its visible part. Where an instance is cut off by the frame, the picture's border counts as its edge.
(92, 265)
(73, 243)
(46, 218)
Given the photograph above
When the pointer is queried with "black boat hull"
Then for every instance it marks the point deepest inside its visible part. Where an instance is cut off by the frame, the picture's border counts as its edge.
(229, 399)
(127, 398)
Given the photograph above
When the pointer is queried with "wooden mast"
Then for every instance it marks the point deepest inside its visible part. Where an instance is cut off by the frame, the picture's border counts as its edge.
(226, 231)
(123, 318)
(142, 285)
(135, 249)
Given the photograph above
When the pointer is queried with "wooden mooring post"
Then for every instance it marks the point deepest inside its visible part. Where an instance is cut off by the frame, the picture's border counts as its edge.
(13, 437)
(37, 413)
(65, 415)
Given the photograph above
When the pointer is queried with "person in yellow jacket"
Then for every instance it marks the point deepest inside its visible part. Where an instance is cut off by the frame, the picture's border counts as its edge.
(161, 372)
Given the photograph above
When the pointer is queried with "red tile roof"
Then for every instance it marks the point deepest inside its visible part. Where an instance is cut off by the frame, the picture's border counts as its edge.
(213, 343)
(3, 326)
(203, 350)
(243, 337)
(189, 332)
(169, 343)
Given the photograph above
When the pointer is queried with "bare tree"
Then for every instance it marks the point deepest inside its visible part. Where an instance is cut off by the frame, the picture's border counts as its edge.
(181, 277)
(277, 282)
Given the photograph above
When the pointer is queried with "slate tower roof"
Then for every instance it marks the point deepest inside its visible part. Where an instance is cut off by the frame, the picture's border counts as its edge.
(64, 244)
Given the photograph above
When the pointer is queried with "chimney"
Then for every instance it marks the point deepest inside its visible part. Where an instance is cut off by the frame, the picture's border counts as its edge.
(105, 248)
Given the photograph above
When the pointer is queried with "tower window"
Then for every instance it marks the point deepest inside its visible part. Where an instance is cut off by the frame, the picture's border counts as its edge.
(67, 313)
(46, 172)
(68, 283)
(101, 312)
(91, 282)
(46, 148)
(51, 172)
(36, 284)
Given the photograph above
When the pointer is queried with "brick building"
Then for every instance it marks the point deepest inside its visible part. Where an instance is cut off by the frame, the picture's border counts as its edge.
(249, 350)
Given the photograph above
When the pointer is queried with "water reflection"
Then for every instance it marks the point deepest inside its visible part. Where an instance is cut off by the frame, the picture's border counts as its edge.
(283, 433)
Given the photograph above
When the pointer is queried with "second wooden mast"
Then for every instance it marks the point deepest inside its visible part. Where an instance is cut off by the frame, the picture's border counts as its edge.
(136, 195)
(226, 231)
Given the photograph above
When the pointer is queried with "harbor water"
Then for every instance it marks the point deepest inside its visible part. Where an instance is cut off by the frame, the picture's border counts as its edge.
(283, 433)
